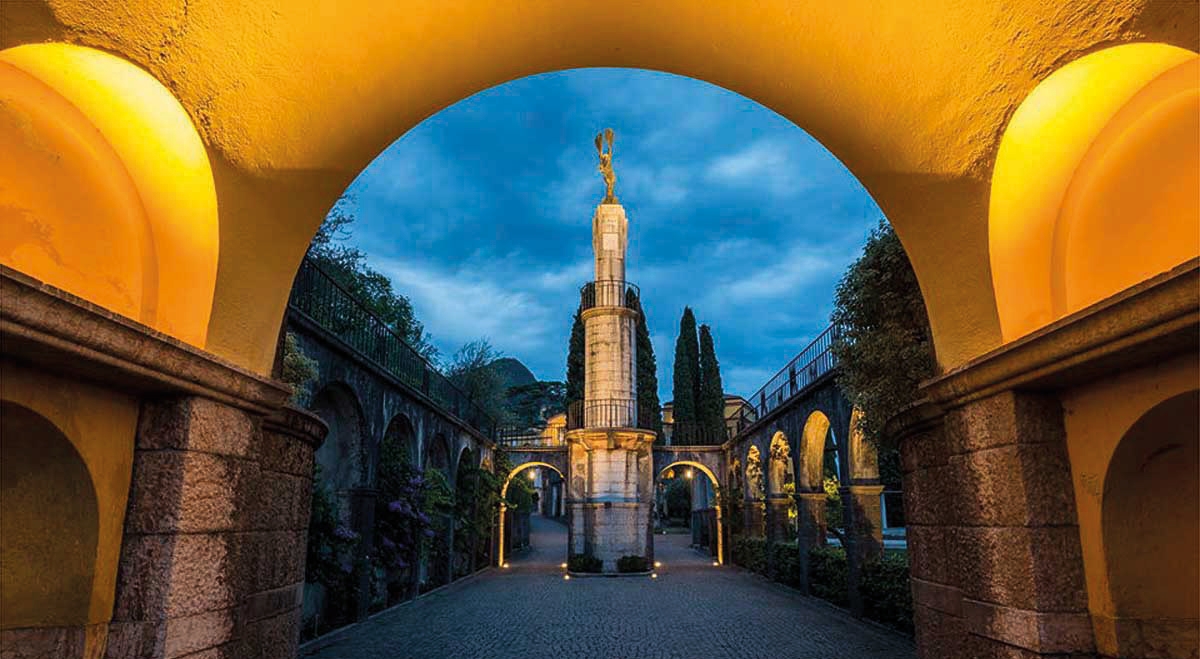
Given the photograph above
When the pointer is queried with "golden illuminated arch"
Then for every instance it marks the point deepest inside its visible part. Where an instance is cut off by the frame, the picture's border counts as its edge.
(915, 112)
(781, 471)
(862, 454)
(1097, 183)
(522, 467)
(137, 233)
(812, 447)
(716, 504)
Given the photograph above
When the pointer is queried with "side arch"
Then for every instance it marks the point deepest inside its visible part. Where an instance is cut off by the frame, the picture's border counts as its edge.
(344, 456)
(812, 451)
(1108, 137)
(712, 477)
(48, 551)
(139, 234)
(504, 506)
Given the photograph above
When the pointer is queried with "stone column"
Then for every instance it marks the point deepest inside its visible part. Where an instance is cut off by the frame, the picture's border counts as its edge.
(1018, 542)
(864, 537)
(777, 527)
(214, 546)
(755, 518)
(810, 513)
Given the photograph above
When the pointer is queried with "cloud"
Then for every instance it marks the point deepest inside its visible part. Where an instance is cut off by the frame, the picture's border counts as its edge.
(762, 164)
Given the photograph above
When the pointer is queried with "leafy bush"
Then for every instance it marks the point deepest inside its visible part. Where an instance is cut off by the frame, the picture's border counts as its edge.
(400, 524)
(584, 563)
(632, 564)
(827, 572)
(750, 553)
(297, 368)
(785, 559)
(331, 557)
(887, 597)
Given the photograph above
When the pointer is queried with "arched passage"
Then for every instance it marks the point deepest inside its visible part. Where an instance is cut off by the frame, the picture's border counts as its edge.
(812, 452)
(716, 484)
(504, 501)
(48, 547)
(401, 438)
(343, 456)
(1151, 518)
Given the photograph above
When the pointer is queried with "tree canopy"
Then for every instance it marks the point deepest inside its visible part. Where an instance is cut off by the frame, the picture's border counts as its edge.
(649, 408)
(686, 384)
(885, 348)
(575, 363)
(710, 404)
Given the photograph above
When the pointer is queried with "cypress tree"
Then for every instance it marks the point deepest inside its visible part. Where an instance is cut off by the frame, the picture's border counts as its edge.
(649, 409)
(575, 363)
(686, 383)
(710, 404)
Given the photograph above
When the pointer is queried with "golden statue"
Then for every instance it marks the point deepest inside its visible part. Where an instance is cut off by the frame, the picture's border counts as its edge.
(606, 164)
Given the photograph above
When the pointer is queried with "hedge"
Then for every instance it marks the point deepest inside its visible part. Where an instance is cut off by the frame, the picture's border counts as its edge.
(884, 585)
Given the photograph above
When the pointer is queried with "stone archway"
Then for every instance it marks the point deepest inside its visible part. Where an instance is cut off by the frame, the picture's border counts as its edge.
(532, 464)
(50, 539)
(1150, 508)
(719, 533)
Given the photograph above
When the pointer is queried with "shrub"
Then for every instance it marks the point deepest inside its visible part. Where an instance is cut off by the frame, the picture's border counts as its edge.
(584, 563)
(632, 564)
(750, 553)
(827, 571)
(785, 559)
(887, 597)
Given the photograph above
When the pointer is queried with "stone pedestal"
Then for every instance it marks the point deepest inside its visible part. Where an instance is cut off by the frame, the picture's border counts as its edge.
(755, 519)
(214, 547)
(778, 527)
(810, 518)
(864, 527)
(611, 494)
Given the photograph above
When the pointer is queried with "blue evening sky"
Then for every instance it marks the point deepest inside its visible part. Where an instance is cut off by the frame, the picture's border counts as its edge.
(481, 215)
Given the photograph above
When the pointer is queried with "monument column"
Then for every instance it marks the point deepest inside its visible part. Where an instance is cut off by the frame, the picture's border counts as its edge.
(611, 489)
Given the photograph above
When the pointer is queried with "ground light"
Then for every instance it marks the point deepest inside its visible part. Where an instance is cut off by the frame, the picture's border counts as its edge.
(566, 577)
(657, 563)
(562, 565)
(653, 575)
(506, 566)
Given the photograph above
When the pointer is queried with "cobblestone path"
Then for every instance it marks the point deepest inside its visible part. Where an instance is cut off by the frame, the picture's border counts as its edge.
(691, 611)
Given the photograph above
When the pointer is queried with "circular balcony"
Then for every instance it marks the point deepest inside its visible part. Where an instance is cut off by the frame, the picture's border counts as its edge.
(609, 413)
(608, 293)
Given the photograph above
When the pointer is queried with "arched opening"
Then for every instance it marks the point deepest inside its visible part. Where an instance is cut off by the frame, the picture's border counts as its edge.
(473, 515)
(516, 506)
(335, 574)
(138, 234)
(440, 504)
(342, 459)
(781, 488)
(707, 520)
(50, 529)
(1151, 519)
(815, 440)
(1109, 137)
(398, 520)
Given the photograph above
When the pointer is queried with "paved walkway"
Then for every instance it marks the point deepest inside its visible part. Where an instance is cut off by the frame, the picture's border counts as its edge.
(691, 611)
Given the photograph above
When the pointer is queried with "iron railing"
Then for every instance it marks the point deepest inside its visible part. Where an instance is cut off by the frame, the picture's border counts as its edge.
(607, 293)
(603, 413)
(514, 437)
(320, 298)
(814, 361)
(690, 435)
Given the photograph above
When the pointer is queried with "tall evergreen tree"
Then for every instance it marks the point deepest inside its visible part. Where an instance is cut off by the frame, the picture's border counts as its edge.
(710, 404)
(649, 408)
(686, 383)
(575, 363)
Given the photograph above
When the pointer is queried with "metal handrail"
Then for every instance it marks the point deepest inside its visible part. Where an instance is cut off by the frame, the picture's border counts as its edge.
(603, 413)
(317, 295)
(814, 361)
(518, 437)
(607, 293)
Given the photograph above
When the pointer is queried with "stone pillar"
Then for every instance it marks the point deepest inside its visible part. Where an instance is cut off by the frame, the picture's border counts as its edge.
(755, 519)
(810, 513)
(1023, 583)
(214, 545)
(994, 549)
(777, 527)
(864, 537)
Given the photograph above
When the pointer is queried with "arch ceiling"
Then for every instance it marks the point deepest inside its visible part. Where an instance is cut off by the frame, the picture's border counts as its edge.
(915, 111)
